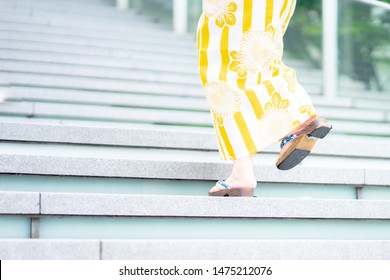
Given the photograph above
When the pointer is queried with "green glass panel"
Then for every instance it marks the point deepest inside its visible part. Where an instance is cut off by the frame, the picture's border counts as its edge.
(380, 193)
(35, 183)
(14, 227)
(364, 53)
(181, 228)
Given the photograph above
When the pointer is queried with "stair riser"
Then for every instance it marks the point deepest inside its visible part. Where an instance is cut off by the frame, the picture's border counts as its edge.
(74, 184)
(193, 228)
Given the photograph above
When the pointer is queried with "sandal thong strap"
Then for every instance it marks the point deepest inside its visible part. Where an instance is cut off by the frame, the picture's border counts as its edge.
(226, 186)
(290, 138)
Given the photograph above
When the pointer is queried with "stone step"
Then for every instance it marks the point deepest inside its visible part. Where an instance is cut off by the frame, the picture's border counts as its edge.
(81, 215)
(25, 249)
(126, 162)
(178, 102)
(188, 62)
(371, 101)
(208, 155)
(147, 60)
(170, 48)
(140, 54)
(133, 51)
(190, 249)
(79, 11)
(141, 69)
(129, 63)
(119, 205)
(166, 102)
(94, 84)
(138, 61)
(98, 72)
(19, 203)
(86, 4)
(168, 138)
(106, 25)
(111, 16)
(341, 123)
(153, 74)
(172, 102)
(141, 34)
(369, 95)
(102, 85)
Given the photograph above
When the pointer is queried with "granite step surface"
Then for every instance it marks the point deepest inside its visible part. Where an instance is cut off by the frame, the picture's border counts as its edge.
(194, 249)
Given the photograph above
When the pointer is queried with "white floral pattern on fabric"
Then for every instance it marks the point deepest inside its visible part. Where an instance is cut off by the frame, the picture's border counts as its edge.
(276, 119)
(222, 99)
(259, 50)
(274, 124)
(221, 10)
(290, 77)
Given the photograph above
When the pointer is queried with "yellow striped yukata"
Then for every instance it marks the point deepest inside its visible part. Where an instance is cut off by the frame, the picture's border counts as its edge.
(254, 98)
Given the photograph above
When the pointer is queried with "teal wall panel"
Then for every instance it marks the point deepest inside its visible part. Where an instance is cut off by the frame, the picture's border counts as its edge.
(35, 183)
(166, 228)
(306, 191)
(14, 227)
(381, 193)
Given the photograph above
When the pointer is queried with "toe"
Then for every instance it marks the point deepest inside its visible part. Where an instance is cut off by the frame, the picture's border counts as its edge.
(216, 187)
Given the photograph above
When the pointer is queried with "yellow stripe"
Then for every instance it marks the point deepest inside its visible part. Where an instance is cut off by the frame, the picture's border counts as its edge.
(270, 87)
(259, 78)
(203, 61)
(284, 8)
(224, 54)
(220, 145)
(269, 13)
(241, 83)
(225, 138)
(246, 136)
(290, 12)
(247, 16)
(252, 97)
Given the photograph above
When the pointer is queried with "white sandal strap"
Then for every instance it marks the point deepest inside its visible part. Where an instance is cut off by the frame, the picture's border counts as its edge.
(223, 184)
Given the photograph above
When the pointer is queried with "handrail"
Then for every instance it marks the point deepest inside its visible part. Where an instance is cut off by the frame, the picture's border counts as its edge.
(375, 3)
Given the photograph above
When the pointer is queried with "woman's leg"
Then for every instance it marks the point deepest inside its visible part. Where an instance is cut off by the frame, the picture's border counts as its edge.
(254, 98)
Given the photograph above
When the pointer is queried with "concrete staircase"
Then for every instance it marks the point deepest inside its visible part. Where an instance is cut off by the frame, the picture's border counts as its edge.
(107, 152)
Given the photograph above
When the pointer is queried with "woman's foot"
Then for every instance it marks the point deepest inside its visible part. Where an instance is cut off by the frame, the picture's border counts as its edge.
(298, 145)
(242, 177)
(247, 182)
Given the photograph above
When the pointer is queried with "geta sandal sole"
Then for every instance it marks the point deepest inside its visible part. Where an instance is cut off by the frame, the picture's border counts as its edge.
(247, 192)
(301, 146)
